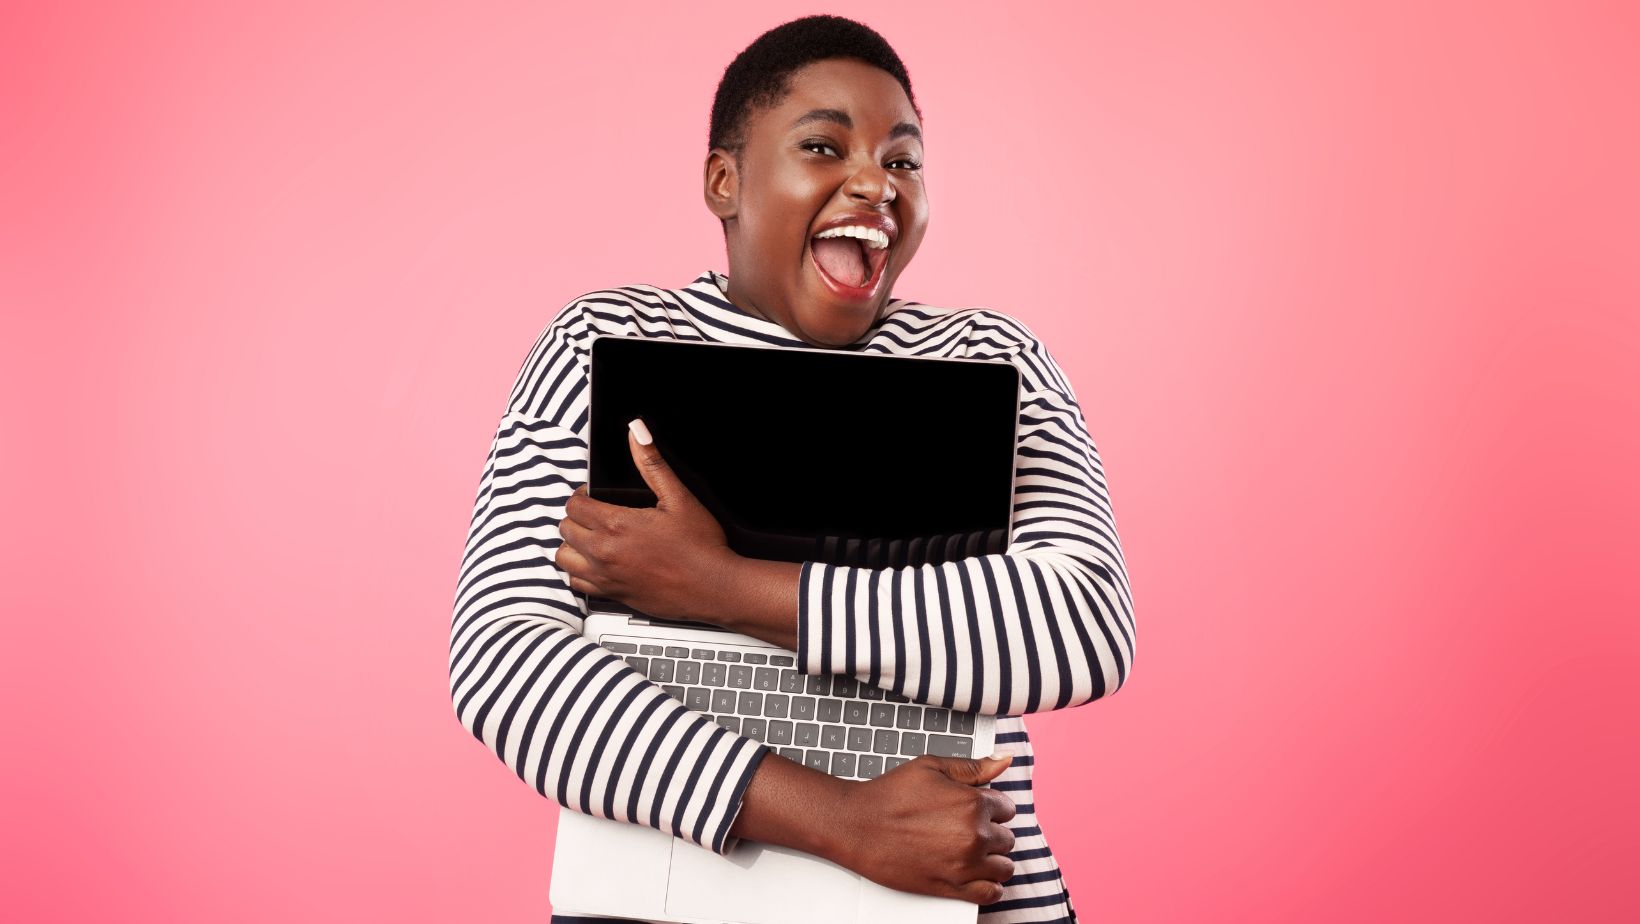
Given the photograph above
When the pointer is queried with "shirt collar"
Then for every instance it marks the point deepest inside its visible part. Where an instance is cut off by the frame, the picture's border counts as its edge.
(722, 320)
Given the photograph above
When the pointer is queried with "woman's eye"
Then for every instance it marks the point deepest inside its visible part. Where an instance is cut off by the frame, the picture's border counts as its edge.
(909, 164)
(818, 144)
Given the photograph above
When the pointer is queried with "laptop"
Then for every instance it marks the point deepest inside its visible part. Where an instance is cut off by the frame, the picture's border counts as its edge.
(801, 454)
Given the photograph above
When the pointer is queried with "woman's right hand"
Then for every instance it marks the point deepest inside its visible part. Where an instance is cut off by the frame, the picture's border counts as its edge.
(929, 826)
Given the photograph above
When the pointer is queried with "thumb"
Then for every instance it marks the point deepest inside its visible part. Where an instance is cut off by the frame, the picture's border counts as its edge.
(975, 771)
(651, 466)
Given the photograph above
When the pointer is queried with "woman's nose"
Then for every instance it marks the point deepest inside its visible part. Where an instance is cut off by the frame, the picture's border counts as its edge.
(870, 184)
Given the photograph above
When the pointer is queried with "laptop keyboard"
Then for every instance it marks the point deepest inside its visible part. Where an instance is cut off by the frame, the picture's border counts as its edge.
(834, 724)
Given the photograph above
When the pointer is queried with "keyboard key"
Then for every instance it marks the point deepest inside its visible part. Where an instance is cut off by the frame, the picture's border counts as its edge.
(934, 719)
(728, 656)
(780, 731)
(622, 647)
(754, 728)
(713, 674)
(782, 660)
(803, 707)
(699, 699)
(808, 735)
(889, 763)
(962, 723)
(882, 715)
(651, 650)
(867, 691)
(897, 698)
(817, 760)
(792, 754)
(859, 739)
(689, 672)
(856, 712)
(750, 704)
(833, 736)
(904, 716)
(844, 686)
(701, 654)
(949, 746)
(775, 705)
(674, 691)
(885, 741)
(767, 679)
(913, 744)
(723, 701)
(641, 665)
(740, 677)
(791, 682)
(871, 766)
(819, 686)
(660, 670)
(842, 764)
(731, 722)
(673, 651)
(755, 658)
(830, 711)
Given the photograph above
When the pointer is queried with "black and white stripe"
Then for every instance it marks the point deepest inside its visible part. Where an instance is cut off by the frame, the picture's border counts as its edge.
(1047, 624)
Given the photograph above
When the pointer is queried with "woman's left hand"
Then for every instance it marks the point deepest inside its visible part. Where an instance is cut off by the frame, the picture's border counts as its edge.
(670, 560)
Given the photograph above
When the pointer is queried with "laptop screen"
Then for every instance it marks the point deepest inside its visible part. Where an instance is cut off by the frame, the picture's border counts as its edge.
(810, 454)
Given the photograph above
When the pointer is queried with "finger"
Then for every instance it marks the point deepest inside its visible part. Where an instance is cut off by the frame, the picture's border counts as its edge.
(572, 562)
(575, 534)
(654, 469)
(970, 771)
(997, 868)
(582, 585)
(1002, 807)
(995, 764)
(589, 511)
(980, 892)
(999, 840)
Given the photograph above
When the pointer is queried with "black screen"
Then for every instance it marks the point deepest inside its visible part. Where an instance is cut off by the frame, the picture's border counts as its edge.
(809, 454)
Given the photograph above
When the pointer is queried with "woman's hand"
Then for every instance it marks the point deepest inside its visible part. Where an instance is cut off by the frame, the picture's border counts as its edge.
(928, 826)
(670, 560)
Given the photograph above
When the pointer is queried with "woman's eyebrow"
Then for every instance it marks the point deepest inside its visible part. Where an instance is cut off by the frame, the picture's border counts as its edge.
(900, 129)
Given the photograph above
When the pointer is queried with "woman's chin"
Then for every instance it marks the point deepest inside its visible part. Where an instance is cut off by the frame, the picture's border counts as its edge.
(836, 327)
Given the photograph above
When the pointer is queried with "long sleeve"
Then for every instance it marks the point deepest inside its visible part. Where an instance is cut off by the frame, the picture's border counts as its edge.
(1045, 624)
(570, 718)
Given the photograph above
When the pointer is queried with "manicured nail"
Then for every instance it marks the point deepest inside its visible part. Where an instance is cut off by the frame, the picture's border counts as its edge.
(640, 431)
(1002, 754)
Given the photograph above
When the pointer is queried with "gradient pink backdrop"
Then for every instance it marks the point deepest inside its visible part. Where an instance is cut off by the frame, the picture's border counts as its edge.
(1350, 296)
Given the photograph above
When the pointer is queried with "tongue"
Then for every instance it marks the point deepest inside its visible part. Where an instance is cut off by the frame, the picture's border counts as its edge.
(842, 259)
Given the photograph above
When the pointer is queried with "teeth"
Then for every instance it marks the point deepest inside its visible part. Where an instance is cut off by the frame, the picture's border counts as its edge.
(875, 239)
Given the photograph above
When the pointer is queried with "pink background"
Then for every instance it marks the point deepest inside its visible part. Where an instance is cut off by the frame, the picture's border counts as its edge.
(1349, 295)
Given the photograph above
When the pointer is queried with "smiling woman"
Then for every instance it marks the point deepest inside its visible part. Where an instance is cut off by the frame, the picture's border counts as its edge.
(815, 169)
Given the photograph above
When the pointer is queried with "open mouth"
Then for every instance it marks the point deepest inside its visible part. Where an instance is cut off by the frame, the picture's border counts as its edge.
(848, 264)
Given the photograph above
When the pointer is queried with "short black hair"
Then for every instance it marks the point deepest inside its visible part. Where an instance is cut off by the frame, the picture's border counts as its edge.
(756, 78)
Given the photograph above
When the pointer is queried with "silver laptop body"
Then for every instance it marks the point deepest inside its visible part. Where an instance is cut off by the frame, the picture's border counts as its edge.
(614, 868)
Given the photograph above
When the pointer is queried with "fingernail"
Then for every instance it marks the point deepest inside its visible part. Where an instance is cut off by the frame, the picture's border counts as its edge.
(1002, 754)
(640, 431)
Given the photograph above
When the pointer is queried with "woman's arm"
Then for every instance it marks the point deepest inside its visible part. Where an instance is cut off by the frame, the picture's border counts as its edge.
(927, 826)
(570, 718)
(1047, 624)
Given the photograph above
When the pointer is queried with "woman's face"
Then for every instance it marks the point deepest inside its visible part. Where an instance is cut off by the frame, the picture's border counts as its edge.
(844, 145)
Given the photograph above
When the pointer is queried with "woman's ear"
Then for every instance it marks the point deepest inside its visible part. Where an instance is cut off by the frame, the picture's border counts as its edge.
(722, 184)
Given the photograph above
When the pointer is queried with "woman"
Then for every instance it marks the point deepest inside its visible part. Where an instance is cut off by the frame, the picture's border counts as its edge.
(814, 128)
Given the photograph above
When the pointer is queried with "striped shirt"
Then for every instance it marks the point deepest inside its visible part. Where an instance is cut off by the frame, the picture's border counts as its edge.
(1046, 624)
